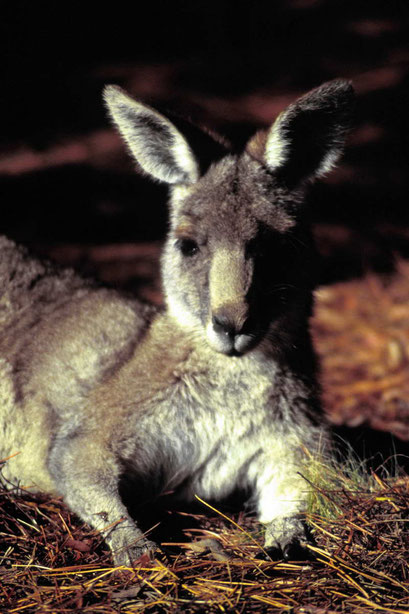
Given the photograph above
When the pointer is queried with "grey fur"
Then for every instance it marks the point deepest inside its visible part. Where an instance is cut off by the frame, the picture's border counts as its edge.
(216, 391)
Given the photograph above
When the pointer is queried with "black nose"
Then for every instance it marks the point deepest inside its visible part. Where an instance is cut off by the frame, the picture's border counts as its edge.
(223, 324)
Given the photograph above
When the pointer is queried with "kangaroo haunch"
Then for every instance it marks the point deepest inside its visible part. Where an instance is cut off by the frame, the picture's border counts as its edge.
(217, 390)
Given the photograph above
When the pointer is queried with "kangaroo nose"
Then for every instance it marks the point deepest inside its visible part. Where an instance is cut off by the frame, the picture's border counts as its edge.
(222, 324)
(230, 331)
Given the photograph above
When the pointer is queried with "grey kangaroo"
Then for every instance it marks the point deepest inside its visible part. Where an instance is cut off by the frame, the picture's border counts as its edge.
(216, 390)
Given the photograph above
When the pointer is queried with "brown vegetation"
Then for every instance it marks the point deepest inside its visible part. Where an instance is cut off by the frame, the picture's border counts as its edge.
(51, 563)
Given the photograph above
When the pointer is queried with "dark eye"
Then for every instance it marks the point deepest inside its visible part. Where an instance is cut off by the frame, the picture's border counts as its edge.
(188, 247)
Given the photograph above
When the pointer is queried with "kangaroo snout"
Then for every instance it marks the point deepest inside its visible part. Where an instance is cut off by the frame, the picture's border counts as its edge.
(224, 325)
(230, 330)
(230, 279)
(230, 320)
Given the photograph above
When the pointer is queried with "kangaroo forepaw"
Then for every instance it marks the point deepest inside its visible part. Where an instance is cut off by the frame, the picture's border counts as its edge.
(138, 554)
(287, 538)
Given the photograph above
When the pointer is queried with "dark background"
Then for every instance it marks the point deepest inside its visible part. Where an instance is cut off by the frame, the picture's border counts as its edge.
(65, 179)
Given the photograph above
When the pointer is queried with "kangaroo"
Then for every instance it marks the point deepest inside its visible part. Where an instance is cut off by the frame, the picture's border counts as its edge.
(214, 391)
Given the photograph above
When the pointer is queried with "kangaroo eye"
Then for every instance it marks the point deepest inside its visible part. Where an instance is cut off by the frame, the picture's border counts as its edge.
(188, 247)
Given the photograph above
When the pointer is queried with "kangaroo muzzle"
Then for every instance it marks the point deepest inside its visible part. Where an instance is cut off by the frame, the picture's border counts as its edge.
(229, 281)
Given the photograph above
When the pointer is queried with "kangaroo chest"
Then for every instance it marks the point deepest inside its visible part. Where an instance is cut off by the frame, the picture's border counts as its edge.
(204, 424)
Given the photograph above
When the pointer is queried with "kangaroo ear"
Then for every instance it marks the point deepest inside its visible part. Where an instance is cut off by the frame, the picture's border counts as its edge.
(308, 137)
(156, 144)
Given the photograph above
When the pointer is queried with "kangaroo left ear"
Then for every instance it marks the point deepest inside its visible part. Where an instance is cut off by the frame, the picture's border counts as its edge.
(153, 140)
(307, 138)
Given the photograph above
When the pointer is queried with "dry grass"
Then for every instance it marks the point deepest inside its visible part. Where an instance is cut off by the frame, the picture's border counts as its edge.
(361, 330)
(51, 562)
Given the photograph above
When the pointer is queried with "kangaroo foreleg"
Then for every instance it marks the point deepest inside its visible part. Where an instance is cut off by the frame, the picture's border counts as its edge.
(87, 476)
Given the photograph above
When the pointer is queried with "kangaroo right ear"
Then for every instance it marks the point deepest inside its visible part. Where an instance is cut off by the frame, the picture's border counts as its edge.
(307, 138)
(156, 144)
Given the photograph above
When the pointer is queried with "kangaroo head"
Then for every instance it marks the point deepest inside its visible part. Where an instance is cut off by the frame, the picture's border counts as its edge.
(237, 264)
